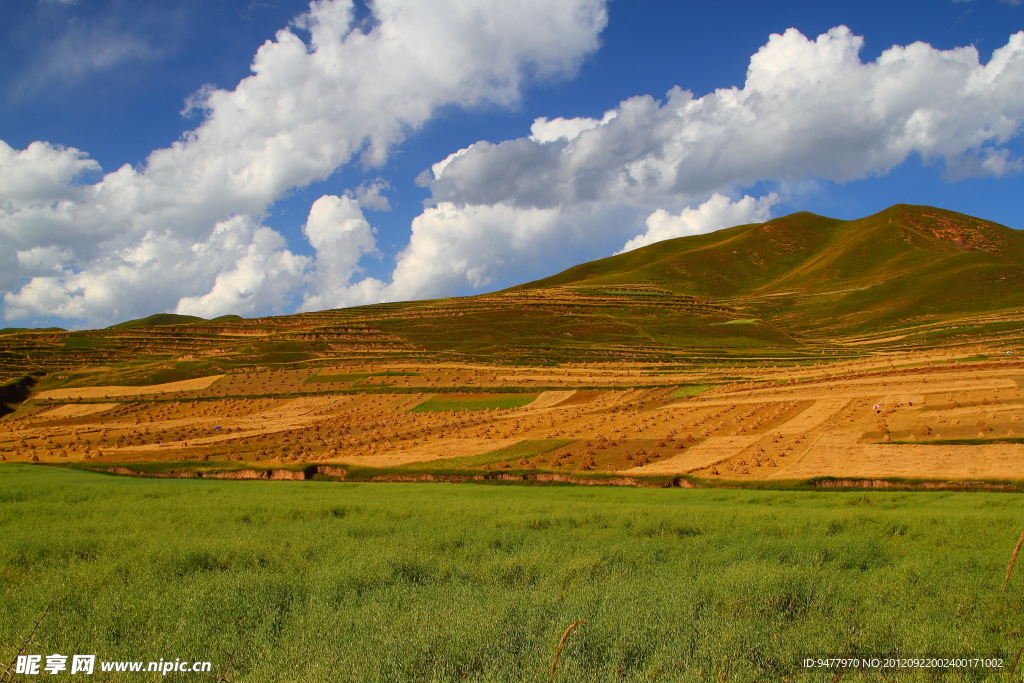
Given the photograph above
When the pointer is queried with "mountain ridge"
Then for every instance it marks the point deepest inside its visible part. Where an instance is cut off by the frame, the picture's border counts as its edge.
(804, 254)
(796, 287)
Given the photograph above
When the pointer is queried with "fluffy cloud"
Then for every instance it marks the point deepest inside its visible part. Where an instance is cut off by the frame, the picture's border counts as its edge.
(454, 247)
(543, 130)
(252, 273)
(246, 264)
(808, 108)
(39, 175)
(369, 195)
(309, 107)
(714, 214)
(457, 248)
(183, 232)
(339, 232)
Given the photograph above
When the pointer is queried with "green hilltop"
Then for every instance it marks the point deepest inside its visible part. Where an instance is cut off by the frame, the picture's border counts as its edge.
(158, 319)
(797, 288)
(812, 275)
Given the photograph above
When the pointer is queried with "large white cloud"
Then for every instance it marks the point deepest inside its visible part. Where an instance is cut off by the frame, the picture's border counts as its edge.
(39, 174)
(808, 108)
(245, 262)
(183, 232)
(717, 212)
(453, 247)
(309, 107)
(341, 235)
(459, 248)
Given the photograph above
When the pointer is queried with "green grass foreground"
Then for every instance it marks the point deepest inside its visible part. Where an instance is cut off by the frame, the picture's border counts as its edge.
(319, 581)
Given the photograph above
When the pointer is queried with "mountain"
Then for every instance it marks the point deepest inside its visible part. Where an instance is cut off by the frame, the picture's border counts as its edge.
(799, 287)
(812, 275)
(159, 319)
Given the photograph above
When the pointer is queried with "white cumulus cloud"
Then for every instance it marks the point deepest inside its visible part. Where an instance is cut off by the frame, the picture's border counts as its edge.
(559, 128)
(310, 106)
(454, 247)
(184, 230)
(39, 175)
(808, 109)
(714, 214)
(339, 232)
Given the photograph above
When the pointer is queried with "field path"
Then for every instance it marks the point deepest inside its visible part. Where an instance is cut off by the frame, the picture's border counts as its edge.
(905, 399)
(439, 449)
(813, 416)
(547, 399)
(839, 386)
(78, 410)
(101, 392)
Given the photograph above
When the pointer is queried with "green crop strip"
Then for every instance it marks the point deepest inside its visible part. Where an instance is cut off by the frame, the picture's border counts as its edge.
(691, 390)
(457, 403)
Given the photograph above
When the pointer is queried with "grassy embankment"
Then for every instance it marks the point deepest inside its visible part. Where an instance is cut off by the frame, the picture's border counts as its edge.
(390, 582)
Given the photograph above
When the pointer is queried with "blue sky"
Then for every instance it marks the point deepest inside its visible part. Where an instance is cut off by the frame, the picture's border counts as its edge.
(293, 222)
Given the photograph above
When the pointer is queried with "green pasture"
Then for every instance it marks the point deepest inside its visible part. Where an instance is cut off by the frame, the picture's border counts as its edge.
(327, 582)
(438, 404)
(690, 390)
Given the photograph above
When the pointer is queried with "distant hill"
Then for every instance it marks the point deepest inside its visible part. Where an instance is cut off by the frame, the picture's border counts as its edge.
(813, 275)
(18, 330)
(796, 288)
(170, 319)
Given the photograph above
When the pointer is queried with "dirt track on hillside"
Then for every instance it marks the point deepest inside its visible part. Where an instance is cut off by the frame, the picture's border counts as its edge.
(115, 391)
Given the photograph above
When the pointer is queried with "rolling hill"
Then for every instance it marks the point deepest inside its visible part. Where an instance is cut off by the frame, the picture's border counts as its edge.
(812, 275)
(797, 287)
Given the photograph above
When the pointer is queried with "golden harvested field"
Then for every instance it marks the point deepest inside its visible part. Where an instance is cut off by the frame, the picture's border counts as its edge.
(931, 416)
(109, 392)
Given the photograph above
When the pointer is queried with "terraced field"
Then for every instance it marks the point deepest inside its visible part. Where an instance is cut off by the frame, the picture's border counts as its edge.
(926, 416)
(797, 288)
(788, 351)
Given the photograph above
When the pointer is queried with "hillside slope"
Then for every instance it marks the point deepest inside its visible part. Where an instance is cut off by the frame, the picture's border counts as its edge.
(809, 274)
(797, 287)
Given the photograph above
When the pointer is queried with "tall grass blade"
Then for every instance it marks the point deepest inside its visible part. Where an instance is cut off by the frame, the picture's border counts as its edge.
(1013, 560)
(27, 640)
(561, 644)
(1016, 660)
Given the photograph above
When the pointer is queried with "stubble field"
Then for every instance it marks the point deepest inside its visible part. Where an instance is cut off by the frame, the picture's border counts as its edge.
(922, 417)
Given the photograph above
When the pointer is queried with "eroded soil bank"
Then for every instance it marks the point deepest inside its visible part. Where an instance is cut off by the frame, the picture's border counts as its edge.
(333, 473)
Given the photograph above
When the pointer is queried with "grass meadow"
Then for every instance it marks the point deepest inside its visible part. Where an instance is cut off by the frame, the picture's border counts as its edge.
(319, 581)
